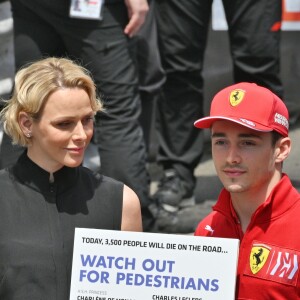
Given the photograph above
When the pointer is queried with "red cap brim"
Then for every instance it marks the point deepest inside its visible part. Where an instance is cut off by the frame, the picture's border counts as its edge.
(208, 121)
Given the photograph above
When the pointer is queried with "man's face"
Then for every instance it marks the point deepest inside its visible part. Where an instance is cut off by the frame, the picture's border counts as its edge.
(244, 158)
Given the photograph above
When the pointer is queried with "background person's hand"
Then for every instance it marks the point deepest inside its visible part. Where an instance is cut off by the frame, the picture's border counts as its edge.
(137, 11)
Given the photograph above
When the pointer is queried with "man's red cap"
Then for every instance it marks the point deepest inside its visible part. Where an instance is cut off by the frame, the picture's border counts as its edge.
(249, 105)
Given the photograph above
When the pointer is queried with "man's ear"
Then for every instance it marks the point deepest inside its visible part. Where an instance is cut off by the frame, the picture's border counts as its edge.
(283, 149)
(25, 123)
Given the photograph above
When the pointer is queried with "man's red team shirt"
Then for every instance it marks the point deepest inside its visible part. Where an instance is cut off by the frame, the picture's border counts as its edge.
(269, 254)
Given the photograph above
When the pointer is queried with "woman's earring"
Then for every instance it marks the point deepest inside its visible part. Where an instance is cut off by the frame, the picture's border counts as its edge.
(28, 135)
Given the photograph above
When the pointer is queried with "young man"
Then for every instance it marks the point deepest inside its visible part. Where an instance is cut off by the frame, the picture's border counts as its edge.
(258, 205)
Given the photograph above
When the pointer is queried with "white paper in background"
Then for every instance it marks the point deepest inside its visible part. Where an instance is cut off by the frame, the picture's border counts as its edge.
(218, 16)
(219, 21)
(292, 5)
(119, 265)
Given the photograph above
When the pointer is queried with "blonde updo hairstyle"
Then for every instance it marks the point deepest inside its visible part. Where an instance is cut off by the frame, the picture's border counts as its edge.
(34, 84)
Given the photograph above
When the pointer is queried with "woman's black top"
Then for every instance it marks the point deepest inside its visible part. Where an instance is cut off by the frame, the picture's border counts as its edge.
(37, 222)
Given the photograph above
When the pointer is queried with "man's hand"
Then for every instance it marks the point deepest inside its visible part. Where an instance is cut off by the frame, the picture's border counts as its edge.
(137, 11)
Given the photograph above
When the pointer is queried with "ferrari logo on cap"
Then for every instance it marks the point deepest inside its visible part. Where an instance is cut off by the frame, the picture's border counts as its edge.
(236, 97)
(258, 257)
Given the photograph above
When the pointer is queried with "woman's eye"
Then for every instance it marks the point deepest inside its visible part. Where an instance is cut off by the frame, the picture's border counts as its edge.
(88, 120)
(64, 124)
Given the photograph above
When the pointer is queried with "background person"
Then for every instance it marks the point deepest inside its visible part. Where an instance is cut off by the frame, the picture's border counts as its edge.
(47, 193)
(258, 205)
(254, 37)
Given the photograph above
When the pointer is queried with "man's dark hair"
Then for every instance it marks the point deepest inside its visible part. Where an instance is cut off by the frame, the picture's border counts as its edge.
(276, 136)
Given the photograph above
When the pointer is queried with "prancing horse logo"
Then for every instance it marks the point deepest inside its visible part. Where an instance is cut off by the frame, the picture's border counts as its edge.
(236, 97)
(258, 257)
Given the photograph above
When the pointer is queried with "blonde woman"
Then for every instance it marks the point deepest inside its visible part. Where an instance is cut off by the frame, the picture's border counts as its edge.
(47, 193)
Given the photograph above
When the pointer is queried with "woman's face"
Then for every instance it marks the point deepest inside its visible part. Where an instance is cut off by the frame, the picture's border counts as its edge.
(65, 128)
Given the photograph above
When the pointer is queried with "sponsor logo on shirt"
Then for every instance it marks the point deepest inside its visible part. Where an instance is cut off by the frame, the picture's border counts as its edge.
(273, 263)
(208, 228)
(258, 257)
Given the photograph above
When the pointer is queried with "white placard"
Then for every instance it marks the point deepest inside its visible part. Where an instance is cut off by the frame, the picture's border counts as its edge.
(119, 265)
